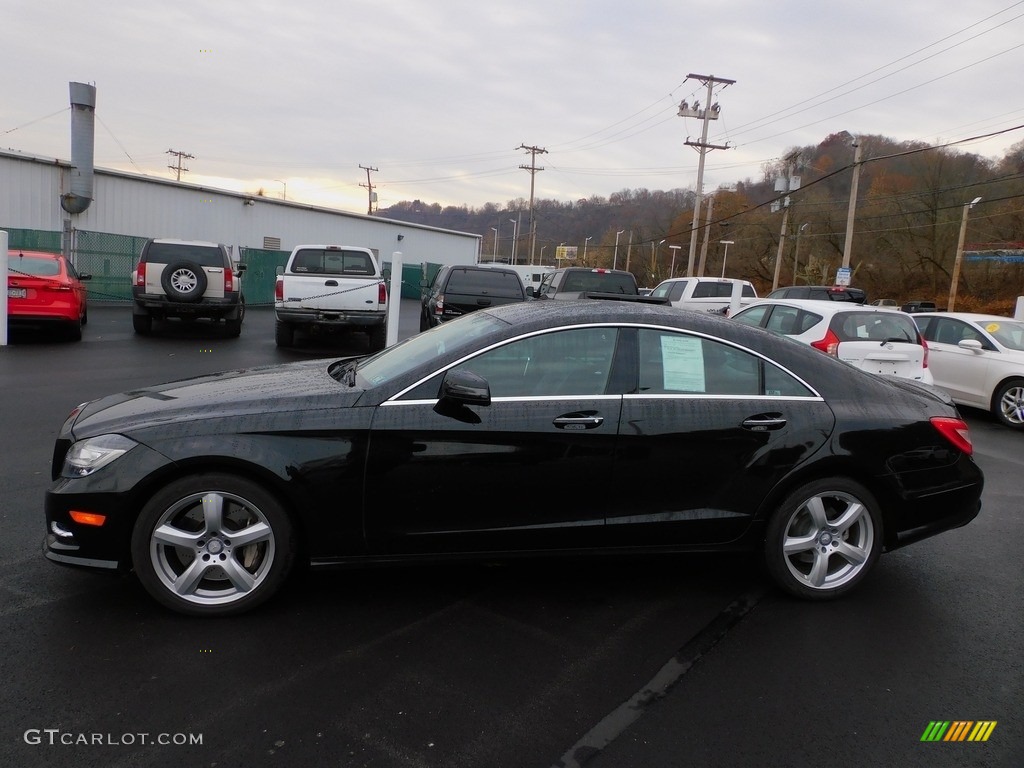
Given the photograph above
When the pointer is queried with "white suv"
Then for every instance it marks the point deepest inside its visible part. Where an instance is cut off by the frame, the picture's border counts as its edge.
(187, 279)
(874, 339)
(704, 294)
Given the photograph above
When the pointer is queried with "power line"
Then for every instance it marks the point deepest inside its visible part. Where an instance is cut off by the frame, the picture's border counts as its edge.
(181, 156)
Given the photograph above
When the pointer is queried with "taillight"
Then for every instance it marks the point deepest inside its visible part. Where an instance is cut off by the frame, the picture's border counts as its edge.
(140, 275)
(439, 305)
(382, 293)
(279, 290)
(229, 281)
(955, 431)
(924, 345)
(829, 345)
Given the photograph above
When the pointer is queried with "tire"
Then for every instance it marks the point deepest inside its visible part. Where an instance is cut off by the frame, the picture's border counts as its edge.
(75, 331)
(824, 539)
(1008, 404)
(284, 334)
(183, 281)
(212, 545)
(233, 326)
(85, 316)
(378, 337)
(143, 324)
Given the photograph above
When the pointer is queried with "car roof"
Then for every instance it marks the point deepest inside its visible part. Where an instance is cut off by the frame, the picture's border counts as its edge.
(976, 317)
(826, 306)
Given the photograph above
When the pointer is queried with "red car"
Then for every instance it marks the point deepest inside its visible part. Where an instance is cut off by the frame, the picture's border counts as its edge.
(45, 290)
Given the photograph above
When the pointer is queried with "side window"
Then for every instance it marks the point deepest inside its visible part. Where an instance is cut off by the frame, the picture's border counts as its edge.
(784, 320)
(576, 362)
(677, 363)
(753, 316)
(704, 290)
(677, 290)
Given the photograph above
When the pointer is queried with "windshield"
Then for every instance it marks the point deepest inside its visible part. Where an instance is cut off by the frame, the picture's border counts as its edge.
(454, 335)
(1009, 333)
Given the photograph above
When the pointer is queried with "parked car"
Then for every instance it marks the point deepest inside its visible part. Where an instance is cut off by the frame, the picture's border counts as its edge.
(885, 303)
(570, 283)
(874, 339)
(212, 488)
(979, 360)
(187, 280)
(919, 306)
(44, 290)
(820, 292)
(705, 294)
(459, 290)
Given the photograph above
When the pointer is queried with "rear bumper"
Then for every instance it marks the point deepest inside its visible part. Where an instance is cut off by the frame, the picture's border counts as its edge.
(151, 303)
(327, 317)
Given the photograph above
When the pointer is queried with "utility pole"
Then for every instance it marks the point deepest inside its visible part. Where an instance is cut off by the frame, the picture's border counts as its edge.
(369, 187)
(532, 168)
(848, 245)
(787, 184)
(707, 235)
(178, 167)
(710, 112)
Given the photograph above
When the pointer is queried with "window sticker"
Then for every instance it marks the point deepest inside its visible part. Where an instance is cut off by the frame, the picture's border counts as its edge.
(683, 364)
(992, 327)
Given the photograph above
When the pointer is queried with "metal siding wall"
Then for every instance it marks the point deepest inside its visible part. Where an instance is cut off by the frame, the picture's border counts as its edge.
(149, 207)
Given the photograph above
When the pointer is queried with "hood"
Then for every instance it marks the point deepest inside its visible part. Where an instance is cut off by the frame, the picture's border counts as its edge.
(272, 389)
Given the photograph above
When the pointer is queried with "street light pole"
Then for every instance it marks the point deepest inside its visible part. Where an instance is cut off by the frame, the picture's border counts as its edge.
(959, 254)
(796, 250)
(515, 228)
(615, 258)
(284, 194)
(654, 256)
(585, 249)
(494, 257)
(725, 258)
(672, 269)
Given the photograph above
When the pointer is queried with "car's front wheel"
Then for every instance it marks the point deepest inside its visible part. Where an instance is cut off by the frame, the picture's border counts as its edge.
(1008, 404)
(823, 539)
(212, 545)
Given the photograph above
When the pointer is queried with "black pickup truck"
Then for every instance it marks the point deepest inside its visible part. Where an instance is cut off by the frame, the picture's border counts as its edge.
(457, 290)
(584, 282)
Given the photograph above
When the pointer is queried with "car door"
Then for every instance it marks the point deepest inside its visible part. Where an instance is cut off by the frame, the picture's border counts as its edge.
(963, 373)
(529, 471)
(708, 432)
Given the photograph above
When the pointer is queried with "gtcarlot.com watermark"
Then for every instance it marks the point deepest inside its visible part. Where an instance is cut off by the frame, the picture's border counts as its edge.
(53, 737)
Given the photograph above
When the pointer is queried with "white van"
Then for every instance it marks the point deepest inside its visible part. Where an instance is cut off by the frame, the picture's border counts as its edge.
(706, 294)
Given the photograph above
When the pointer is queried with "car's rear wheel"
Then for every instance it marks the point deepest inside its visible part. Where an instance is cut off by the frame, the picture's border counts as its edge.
(212, 545)
(284, 334)
(378, 337)
(183, 281)
(233, 326)
(1008, 404)
(824, 539)
(143, 324)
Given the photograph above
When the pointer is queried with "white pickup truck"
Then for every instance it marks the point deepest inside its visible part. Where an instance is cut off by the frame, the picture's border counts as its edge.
(328, 288)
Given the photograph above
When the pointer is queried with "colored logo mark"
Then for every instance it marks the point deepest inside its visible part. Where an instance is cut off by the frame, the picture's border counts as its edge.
(958, 730)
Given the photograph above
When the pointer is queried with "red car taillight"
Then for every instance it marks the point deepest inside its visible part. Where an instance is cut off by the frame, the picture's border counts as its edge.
(229, 281)
(924, 344)
(829, 345)
(382, 293)
(279, 290)
(955, 431)
(439, 305)
(140, 275)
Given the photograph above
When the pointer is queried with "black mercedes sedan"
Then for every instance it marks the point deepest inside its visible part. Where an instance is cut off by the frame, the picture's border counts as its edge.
(638, 427)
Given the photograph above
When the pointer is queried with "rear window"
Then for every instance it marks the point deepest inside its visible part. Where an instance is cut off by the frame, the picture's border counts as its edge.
(874, 326)
(39, 266)
(485, 282)
(599, 282)
(203, 255)
(325, 261)
(720, 290)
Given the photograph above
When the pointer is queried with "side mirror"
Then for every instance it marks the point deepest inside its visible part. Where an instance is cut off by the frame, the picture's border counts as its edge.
(279, 270)
(465, 388)
(85, 276)
(971, 344)
(240, 267)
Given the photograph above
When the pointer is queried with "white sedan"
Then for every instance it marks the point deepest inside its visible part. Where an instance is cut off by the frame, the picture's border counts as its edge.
(879, 340)
(978, 360)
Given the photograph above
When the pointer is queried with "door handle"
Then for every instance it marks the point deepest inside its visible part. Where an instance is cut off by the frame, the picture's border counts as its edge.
(331, 282)
(578, 422)
(764, 422)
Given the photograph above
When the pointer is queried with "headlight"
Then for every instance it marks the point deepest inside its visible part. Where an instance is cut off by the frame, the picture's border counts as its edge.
(86, 456)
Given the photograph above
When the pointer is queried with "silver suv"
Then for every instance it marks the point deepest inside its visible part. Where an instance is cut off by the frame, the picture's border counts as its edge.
(187, 279)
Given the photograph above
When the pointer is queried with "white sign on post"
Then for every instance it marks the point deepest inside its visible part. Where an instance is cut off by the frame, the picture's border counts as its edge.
(843, 275)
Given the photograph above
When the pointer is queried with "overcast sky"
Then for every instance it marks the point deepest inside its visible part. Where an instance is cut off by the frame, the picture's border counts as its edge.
(438, 96)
